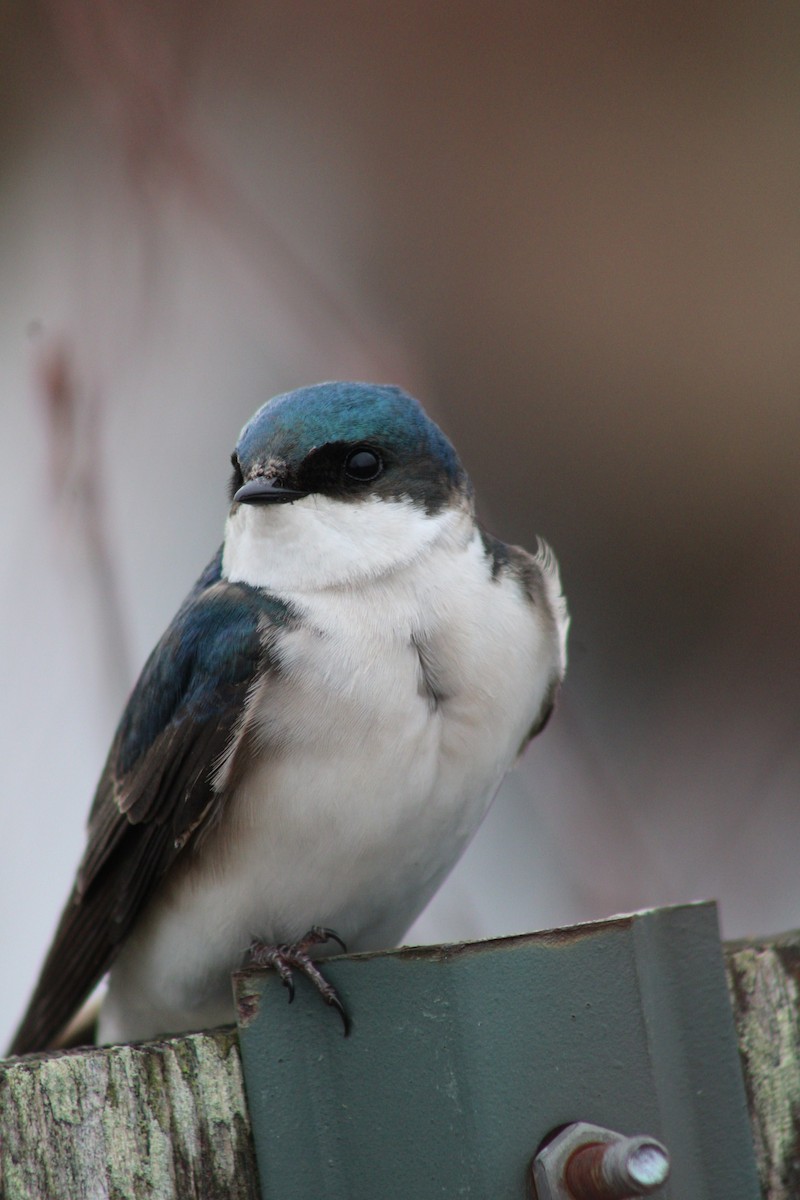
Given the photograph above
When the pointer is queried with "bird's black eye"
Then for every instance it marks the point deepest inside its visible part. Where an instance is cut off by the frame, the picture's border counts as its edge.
(363, 465)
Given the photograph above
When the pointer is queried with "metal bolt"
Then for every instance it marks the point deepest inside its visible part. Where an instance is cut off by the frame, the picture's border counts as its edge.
(587, 1162)
(633, 1166)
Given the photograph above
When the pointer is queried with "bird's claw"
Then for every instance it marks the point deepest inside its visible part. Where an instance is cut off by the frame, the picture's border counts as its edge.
(318, 935)
(295, 955)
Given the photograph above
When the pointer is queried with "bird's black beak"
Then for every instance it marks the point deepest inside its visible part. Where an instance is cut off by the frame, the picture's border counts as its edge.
(266, 491)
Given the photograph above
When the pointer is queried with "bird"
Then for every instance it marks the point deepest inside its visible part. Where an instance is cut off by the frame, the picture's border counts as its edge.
(318, 734)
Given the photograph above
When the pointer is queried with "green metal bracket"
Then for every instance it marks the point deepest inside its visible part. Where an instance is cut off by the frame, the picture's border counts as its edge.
(463, 1059)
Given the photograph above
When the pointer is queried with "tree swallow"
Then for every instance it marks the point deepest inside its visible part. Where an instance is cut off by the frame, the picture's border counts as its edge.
(320, 731)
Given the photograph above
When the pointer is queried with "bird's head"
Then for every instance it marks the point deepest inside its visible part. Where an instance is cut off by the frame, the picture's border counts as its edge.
(338, 482)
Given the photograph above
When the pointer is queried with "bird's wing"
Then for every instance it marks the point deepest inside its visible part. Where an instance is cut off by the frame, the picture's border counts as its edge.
(179, 745)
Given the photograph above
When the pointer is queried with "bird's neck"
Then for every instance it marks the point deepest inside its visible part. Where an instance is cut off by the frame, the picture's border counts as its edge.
(317, 543)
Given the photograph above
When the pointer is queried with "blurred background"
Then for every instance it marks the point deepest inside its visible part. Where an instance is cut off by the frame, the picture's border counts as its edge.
(573, 230)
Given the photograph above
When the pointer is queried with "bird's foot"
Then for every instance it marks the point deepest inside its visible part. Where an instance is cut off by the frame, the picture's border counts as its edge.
(296, 955)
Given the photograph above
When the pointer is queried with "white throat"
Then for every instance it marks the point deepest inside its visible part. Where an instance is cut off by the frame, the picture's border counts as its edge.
(318, 542)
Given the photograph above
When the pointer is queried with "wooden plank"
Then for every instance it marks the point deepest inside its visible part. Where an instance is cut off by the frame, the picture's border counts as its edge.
(764, 981)
(163, 1119)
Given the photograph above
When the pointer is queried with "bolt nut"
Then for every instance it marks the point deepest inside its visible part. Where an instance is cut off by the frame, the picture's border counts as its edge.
(587, 1162)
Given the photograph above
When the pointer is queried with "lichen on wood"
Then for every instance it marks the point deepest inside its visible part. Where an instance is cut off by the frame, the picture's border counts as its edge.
(162, 1119)
(764, 980)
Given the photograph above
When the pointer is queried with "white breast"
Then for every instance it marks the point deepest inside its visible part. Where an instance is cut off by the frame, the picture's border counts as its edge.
(399, 704)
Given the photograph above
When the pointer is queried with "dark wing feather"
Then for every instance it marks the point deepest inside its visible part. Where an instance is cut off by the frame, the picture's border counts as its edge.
(186, 713)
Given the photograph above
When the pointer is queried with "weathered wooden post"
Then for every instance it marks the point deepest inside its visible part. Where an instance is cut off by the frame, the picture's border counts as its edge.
(764, 980)
(460, 1061)
(160, 1119)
